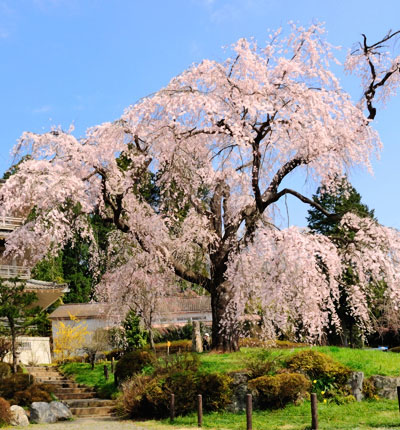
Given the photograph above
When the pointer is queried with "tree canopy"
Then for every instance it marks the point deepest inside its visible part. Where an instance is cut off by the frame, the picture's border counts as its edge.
(220, 139)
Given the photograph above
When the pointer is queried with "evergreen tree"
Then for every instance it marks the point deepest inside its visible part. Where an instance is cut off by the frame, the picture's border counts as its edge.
(16, 307)
(346, 199)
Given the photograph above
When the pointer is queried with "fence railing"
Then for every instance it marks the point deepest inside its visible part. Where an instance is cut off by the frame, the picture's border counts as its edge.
(7, 272)
(10, 223)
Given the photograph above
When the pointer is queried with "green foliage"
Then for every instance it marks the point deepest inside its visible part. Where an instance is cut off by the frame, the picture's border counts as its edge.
(135, 335)
(278, 390)
(147, 396)
(49, 269)
(131, 363)
(16, 305)
(366, 415)
(83, 374)
(319, 367)
(174, 333)
(176, 347)
(5, 412)
(369, 390)
(216, 389)
(143, 397)
(346, 199)
(186, 362)
(262, 363)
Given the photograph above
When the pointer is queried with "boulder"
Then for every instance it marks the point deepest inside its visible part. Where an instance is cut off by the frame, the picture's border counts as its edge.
(386, 386)
(18, 416)
(41, 413)
(60, 410)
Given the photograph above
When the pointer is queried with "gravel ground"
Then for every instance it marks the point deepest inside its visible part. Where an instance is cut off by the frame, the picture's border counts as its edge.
(87, 424)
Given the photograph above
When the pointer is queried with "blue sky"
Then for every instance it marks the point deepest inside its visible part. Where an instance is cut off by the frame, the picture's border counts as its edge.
(84, 61)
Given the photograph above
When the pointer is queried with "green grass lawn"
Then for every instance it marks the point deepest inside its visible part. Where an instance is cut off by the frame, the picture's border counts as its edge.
(83, 374)
(369, 361)
(383, 414)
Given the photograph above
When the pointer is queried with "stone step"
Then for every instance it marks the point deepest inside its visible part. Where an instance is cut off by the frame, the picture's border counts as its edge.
(63, 384)
(75, 396)
(72, 390)
(95, 411)
(49, 378)
(89, 403)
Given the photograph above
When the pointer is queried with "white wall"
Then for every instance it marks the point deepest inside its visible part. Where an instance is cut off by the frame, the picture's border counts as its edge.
(33, 350)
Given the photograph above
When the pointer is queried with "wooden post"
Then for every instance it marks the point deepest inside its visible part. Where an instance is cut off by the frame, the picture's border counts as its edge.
(314, 412)
(106, 372)
(199, 410)
(112, 365)
(249, 412)
(172, 408)
(398, 396)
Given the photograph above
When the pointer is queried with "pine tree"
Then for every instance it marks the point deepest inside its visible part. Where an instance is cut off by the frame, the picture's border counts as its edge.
(346, 199)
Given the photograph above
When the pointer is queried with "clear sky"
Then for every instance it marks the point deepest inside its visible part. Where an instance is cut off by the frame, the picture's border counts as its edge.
(84, 61)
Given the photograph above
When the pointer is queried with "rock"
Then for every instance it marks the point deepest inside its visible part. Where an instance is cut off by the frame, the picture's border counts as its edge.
(386, 386)
(41, 413)
(356, 384)
(18, 416)
(197, 342)
(60, 410)
(239, 392)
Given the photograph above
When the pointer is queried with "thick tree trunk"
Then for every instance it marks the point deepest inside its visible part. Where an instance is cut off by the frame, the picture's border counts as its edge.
(225, 335)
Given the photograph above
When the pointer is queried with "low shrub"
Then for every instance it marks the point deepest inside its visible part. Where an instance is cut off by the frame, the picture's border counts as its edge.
(34, 393)
(254, 342)
(148, 396)
(176, 363)
(369, 390)
(131, 363)
(5, 412)
(320, 368)
(176, 347)
(143, 397)
(279, 390)
(262, 363)
(14, 383)
(216, 389)
(5, 370)
(174, 333)
(115, 354)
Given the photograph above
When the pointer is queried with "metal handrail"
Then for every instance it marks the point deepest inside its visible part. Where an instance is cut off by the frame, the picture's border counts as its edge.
(8, 272)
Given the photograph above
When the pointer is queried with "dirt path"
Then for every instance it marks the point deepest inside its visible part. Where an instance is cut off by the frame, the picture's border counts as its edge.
(87, 424)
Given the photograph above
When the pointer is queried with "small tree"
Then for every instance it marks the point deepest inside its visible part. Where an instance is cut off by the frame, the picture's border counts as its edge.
(16, 308)
(95, 344)
(135, 336)
(70, 337)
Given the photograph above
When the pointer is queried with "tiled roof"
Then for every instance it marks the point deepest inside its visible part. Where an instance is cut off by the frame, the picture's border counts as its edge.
(82, 310)
(168, 305)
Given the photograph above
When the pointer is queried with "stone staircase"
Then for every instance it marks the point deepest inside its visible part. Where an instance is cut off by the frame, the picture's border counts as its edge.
(81, 400)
